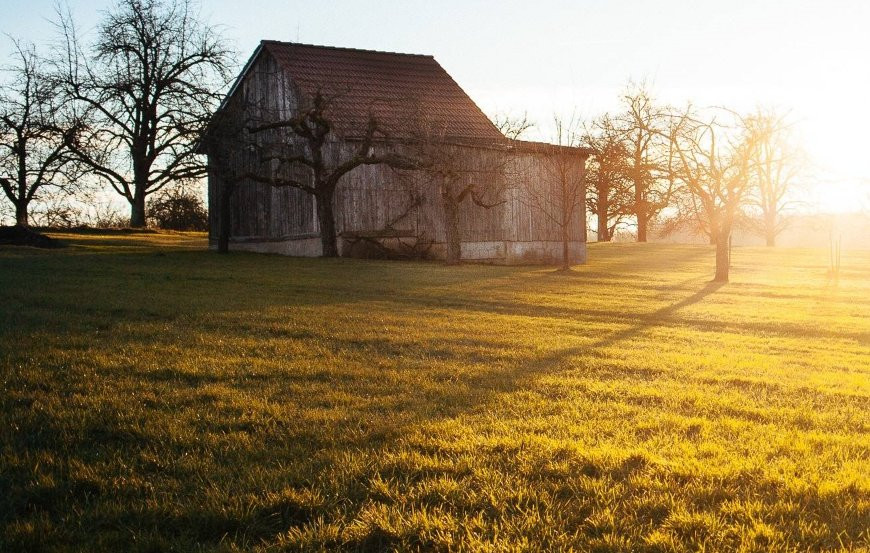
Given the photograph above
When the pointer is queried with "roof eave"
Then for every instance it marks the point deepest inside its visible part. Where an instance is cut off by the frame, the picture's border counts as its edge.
(241, 76)
(536, 147)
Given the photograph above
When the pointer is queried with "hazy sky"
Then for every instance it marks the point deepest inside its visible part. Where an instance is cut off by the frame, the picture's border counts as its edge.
(575, 57)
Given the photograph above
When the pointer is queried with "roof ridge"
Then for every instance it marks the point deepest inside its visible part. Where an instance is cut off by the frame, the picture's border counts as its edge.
(343, 48)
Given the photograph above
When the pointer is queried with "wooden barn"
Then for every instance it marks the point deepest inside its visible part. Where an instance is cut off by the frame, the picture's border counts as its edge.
(517, 211)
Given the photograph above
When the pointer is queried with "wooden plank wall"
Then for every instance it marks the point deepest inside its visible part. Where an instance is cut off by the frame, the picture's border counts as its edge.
(259, 210)
(372, 196)
(535, 198)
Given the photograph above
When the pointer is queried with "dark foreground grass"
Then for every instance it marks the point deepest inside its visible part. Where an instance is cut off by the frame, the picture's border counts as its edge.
(156, 398)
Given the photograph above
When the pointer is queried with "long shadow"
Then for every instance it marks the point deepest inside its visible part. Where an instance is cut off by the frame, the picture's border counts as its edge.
(513, 377)
(653, 319)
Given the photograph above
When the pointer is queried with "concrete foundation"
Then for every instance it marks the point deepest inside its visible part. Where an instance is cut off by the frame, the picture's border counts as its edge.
(500, 252)
(300, 247)
(543, 253)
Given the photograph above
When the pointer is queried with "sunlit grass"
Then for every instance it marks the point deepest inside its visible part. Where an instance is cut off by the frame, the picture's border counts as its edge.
(158, 398)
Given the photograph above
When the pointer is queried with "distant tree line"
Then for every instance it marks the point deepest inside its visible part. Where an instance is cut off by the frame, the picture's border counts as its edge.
(691, 169)
(705, 171)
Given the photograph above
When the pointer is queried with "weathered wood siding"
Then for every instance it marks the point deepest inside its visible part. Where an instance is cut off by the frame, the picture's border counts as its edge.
(260, 211)
(372, 196)
(535, 196)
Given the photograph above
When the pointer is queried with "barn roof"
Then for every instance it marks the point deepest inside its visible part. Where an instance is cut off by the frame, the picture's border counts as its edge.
(400, 90)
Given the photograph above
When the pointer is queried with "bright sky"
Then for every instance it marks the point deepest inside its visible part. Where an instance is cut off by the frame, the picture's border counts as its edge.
(561, 57)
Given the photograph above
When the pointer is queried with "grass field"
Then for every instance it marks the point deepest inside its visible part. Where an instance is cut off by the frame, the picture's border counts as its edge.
(158, 397)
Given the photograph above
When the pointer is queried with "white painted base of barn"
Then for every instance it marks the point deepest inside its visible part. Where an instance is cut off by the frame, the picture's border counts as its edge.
(498, 252)
(299, 247)
(544, 253)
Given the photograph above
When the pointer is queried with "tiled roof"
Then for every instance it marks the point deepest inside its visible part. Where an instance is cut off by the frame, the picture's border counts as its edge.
(401, 90)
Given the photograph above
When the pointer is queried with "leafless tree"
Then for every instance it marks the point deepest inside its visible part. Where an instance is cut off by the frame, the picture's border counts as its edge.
(36, 130)
(715, 165)
(150, 81)
(777, 164)
(561, 197)
(644, 124)
(511, 126)
(610, 189)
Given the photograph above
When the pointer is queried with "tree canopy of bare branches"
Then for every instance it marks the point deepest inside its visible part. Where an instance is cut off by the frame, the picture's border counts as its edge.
(513, 127)
(149, 83)
(609, 194)
(36, 130)
(777, 166)
(644, 124)
(715, 164)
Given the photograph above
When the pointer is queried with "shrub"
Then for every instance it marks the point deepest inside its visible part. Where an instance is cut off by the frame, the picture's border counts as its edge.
(177, 209)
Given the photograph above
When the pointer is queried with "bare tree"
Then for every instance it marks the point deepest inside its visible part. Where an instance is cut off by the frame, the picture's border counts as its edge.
(150, 81)
(715, 165)
(561, 195)
(511, 126)
(644, 124)
(776, 167)
(36, 130)
(609, 193)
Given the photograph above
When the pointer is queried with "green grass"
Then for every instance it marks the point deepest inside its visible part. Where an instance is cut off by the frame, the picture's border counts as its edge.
(157, 397)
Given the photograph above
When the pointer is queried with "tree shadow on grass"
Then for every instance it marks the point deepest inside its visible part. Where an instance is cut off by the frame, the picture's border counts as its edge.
(654, 319)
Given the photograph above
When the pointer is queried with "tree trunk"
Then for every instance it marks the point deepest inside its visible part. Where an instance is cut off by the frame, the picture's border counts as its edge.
(601, 214)
(714, 229)
(640, 206)
(21, 217)
(770, 229)
(603, 231)
(566, 258)
(225, 219)
(723, 255)
(140, 185)
(640, 209)
(642, 224)
(454, 242)
(137, 210)
(326, 218)
(21, 202)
